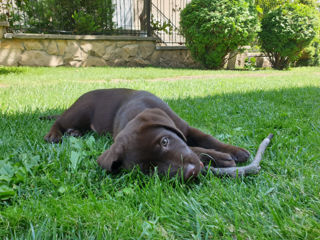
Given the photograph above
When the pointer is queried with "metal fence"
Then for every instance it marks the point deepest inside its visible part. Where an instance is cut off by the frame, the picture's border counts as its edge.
(159, 18)
(165, 18)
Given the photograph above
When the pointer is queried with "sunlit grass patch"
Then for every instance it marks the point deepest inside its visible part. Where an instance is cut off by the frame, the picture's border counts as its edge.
(59, 191)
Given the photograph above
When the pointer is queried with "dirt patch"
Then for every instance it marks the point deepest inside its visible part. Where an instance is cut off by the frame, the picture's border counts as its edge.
(2, 85)
(116, 80)
(208, 76)
(90, 81)
(212, 76)
(203, 76)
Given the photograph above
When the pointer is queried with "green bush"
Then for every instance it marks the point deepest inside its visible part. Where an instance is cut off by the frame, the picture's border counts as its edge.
(310, 56)
(286, 31)
(250, 63)
(77, 16)
(214, 28)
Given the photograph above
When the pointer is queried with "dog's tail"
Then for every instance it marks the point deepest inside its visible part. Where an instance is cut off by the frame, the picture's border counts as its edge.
(51, 117)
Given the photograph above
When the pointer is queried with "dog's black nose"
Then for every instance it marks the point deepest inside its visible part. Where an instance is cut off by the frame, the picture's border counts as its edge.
(190, 171)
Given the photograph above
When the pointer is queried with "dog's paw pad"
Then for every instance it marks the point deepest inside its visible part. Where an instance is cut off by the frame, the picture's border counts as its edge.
(225, 160)
(73, 132)
(241, 155)
(53, 137)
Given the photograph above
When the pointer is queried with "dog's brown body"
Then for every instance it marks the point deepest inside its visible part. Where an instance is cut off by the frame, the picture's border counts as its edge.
(146, 133)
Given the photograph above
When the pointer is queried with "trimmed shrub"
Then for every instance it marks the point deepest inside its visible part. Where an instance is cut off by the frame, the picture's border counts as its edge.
(214, 28)
(286, 31)
(310, 55)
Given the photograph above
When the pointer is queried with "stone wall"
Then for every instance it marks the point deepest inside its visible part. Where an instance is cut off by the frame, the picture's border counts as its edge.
(92, 50)
(88, 50)
(238, 60)
(44, 50)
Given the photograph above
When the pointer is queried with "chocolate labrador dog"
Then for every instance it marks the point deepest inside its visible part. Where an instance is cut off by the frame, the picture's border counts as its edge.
(146, 132)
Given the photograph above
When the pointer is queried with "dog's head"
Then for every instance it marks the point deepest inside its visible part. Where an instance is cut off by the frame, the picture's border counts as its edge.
(151, 140)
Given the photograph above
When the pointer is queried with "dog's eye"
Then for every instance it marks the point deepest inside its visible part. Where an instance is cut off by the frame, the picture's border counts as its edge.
(164, 141)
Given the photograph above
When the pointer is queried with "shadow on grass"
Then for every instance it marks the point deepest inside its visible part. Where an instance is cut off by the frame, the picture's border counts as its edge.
(243, 116)
(239, 118)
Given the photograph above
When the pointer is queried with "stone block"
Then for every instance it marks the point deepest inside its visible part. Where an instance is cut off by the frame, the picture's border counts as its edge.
(33, 45)
(120, 44)
(170, 58)
(139, 62)
(180, 58)
(116, 53)
(86, 46)
(74, 63)
(97, 48)
(92, 61)
(2, 31)
(40, 58)
(45, 43)
(110, 52)
(130, 50)
(73, 52)
(241, 59)
(146, 49)
(119, 62)
(61, 44)
(263, 62)
(155, 58)
(11, 44)
(10, 57)
(52, 48)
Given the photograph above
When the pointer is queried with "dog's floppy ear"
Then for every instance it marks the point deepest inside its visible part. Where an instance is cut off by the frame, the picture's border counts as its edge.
(111, 159)
(175, 130)
(157, 117)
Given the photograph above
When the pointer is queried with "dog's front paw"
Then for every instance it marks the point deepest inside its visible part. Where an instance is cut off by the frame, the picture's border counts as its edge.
(224, 161)
(217, 159)
(240, 155)
(53, 137)
(73, 132)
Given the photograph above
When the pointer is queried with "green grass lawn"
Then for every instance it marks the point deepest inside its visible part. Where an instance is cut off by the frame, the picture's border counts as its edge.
(59, 192)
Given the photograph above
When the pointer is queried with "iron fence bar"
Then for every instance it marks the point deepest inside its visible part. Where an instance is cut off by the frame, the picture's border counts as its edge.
(168, 15)
(148, 17)
(135, 17)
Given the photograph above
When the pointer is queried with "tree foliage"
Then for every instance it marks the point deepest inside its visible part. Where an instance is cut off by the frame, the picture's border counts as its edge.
(264, 6)
(214, 28)
(77, 16)
(310, 56)
(286, 31)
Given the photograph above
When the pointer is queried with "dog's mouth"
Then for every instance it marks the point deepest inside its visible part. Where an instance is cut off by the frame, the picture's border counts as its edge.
(188, 171)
